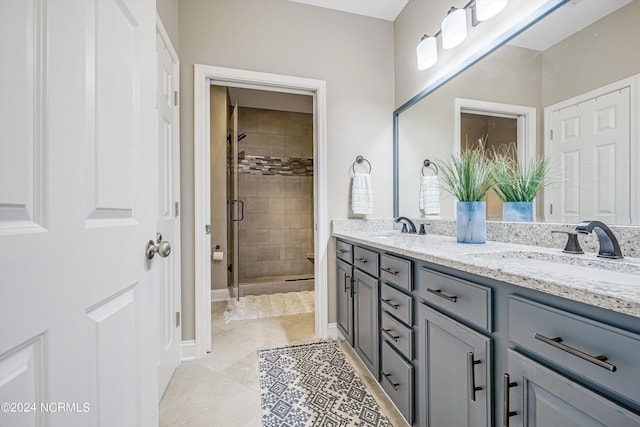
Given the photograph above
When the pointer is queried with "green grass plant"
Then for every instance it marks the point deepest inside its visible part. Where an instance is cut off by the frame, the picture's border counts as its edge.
(519, 183)
(468, 176)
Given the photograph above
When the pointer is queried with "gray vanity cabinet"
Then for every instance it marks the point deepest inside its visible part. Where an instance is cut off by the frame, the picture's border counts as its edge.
(345, 299)
(455, 375)
(366, 313)
(540, 397)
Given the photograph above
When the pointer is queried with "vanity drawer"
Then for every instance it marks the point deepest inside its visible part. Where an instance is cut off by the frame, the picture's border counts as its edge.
(397, 380)
(396, 271)
(397, 303)
(397, 334)
(344, 251)
(555, 335)
(366, 260)
(467, 300)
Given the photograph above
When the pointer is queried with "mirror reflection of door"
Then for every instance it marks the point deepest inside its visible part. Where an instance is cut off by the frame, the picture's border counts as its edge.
(589, 140)
(493, 132)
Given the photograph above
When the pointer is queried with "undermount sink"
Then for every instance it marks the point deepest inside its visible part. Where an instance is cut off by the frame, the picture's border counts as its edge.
(570, 266)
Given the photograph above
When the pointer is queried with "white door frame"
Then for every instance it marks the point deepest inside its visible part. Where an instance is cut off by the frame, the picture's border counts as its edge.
(204, 76)
(633, 83)
(526, 117)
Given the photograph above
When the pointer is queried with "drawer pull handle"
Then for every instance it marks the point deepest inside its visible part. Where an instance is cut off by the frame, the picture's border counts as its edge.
(390, 271)
(340, 251)
(387, 377)
(390, 304)
(471, 373)
(596, 360)
(438, 292)
(387, 332)
(362, 260)
(506, 413)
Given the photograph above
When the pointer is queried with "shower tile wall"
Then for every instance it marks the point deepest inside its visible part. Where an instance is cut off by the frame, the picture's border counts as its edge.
(276, 184)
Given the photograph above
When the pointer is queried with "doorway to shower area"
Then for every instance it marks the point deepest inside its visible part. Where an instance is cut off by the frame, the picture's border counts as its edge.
(270, 193)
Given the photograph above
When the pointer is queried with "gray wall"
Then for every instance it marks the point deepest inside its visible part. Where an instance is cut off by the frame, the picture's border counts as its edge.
(352, 53)
(602, 53)
(168, 11)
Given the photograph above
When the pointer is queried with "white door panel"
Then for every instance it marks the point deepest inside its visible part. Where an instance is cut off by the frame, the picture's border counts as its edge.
(591, 147)
(170, 337)
(77, 296)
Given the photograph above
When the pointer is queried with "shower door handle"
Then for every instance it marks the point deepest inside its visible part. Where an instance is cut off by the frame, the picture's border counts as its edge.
(241, 209)
(233, 211)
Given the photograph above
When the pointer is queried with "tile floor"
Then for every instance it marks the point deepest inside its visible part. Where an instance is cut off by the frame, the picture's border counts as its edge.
(223, 390)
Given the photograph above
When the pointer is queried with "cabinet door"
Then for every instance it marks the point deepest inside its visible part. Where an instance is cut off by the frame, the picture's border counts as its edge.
(454, 374)
(344, 292)
(539, 397)
(365, 301)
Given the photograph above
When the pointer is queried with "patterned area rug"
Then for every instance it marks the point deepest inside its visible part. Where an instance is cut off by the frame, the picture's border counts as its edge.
(269, 305)
(314, 385)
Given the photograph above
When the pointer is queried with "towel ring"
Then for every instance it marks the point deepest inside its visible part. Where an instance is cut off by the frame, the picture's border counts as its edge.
(359, 161)
(427, 164)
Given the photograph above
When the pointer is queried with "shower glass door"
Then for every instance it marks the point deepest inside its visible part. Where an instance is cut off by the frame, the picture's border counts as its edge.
(236, 206)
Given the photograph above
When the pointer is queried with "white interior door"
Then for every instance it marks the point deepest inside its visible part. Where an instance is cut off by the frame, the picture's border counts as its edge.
(590, 148)
(170, 337)
(78, 298)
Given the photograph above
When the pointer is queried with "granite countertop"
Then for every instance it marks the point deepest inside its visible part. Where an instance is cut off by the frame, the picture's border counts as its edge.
(609, 284)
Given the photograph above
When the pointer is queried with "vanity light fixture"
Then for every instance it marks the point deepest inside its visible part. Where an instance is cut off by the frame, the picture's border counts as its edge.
(487, 9)
(427, 52)
(454, 28)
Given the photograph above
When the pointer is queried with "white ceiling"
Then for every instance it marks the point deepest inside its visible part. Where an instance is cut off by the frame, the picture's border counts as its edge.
(382, 9)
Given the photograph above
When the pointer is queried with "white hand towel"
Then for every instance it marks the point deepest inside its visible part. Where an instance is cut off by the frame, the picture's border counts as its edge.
(429, 199)
(361, 194)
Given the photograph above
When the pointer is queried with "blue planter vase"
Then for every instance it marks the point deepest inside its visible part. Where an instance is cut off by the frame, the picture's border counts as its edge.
(517, 211)
(471, 222)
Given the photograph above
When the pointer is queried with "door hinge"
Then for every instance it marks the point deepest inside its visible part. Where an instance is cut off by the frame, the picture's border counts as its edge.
(175, 97)
(177, 209)
(551, 134)
(207, 229)
(177, 319)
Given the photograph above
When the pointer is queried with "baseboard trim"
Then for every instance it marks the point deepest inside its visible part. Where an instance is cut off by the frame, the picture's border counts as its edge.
(333, 332)
(189, 350)
(219, 294)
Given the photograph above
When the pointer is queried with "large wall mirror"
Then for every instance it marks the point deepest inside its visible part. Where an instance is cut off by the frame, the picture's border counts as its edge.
(566, 88)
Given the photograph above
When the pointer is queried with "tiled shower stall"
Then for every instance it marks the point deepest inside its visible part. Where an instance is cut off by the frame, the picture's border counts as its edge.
(276, 184)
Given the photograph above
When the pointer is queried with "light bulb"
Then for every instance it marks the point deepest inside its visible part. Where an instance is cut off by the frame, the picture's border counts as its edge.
(454, 28)
(427, 52)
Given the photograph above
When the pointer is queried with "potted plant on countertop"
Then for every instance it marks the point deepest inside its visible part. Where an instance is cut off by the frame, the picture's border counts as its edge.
(517, 185)
(469, 177)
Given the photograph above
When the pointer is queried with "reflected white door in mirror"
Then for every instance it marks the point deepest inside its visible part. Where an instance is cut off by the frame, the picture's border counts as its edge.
(588, 139)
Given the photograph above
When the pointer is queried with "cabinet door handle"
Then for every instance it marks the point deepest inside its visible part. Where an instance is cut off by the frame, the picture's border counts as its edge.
(390, 271)
(346, 288)
(596, 360)
(362, 260)
(438, 292)
(506, 413)
(388, 378)
(471, 373)
(390, 304)
(387, 332)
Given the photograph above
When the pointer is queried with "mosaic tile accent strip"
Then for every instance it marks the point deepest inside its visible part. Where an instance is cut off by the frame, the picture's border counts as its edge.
(314, 385)
(268, 165)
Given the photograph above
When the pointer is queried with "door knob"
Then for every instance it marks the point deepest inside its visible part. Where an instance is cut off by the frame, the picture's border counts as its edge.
(161, 248)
